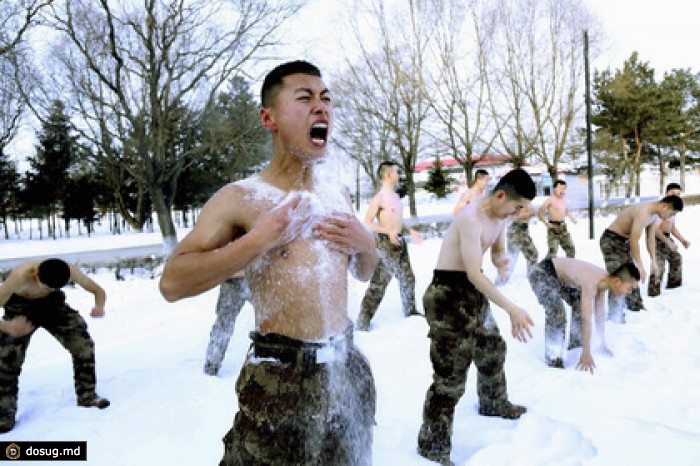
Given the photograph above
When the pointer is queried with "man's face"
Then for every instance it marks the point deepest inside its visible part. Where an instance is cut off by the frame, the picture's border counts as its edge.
(302, 116)
(506, 206)
(620, 288)
(560, 190)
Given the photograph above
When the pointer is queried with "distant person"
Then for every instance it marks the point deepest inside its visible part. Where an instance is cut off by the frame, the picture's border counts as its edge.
(32, 298)
(619, 244)
(667, 250)
(476, 192)
(519, 239)
(583, 286)
(556, 207)
(385, 217)
(233, 294)
(462, 328)
(306, 394)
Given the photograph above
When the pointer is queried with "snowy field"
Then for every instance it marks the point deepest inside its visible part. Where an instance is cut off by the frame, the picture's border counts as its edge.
(641, 407)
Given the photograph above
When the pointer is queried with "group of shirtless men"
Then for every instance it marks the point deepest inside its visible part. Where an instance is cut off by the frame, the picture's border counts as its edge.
(288, 237)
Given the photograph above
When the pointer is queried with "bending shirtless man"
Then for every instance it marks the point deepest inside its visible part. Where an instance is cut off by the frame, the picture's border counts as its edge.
(457, 309)
(387, 209)
(295, 236)
(583, 286)
(32, 298)
(619, 244)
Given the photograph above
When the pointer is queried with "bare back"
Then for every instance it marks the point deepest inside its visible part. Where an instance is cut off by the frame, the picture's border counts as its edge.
(637, 216)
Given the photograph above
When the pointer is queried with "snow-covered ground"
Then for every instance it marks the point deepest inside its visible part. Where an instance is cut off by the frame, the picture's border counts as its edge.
(641, 407)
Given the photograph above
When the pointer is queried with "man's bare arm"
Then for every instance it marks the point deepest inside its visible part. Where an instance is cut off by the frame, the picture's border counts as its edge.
(212, 251)
(542, 210)
(90, 286)
(470, 240)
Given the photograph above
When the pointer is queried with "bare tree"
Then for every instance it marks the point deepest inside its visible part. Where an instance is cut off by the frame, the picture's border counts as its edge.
(538, 78)
(460, 100)
(16, 17)
(391, 66)
(134, 72)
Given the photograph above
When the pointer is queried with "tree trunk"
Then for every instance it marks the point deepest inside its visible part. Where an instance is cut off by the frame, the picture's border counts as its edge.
(165, 219)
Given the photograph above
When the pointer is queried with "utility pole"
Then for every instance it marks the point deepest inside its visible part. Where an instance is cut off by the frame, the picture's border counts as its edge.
(589, 149)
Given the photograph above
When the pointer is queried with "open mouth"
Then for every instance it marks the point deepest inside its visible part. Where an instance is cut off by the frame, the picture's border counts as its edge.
(319, 134)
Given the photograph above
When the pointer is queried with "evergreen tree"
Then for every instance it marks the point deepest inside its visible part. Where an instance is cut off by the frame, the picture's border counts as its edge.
(9, 186)
(438, 180)
(55, 154)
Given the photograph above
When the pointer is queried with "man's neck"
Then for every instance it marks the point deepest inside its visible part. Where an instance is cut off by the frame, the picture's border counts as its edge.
(290, 173)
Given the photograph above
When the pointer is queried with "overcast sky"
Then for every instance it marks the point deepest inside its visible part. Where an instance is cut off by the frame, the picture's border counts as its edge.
(664, 32)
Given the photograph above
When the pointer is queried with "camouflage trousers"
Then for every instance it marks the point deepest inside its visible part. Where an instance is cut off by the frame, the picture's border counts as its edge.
(616, 251)
(302, 403)
(462, 330)
(66, 326)
(558, 235)
(675, 268)
(393, 261)
(233, 294)
(519, 240)
(550, 294)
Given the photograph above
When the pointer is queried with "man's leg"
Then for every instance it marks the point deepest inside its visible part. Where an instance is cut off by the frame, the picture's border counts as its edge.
(407, 281)
(546, 287)
(373, 295)
(654, 286)
(450, 354)
(675, 270)
(615, 253)
(572, 296)
(12, 353)
(70, 330)
(552, 242)
(566, 242)
(489, 358)
(233, 293)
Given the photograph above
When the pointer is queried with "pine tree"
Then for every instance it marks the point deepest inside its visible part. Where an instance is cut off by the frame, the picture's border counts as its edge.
(438, 180)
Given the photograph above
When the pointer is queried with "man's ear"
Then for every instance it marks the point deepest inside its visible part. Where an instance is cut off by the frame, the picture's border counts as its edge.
(268, 120)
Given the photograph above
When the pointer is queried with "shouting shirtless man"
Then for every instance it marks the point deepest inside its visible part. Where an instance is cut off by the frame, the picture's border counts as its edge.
(386, 207)
(305, 393)
(619, 244)
(556, 207)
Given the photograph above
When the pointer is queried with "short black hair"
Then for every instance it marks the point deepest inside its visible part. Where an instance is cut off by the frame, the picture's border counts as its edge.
(517, 183)
(627, 272)
(384, 167)
(54, 273)
(275, 78)
(671, 186)
(558, 182)
(675, 202)
(480, 173)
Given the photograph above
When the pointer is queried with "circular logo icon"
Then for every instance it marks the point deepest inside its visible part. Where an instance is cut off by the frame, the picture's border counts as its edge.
(12, 451)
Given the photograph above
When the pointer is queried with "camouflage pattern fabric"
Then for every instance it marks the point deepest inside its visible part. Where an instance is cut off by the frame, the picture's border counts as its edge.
(551, 294)
(295, 410)
(519, 240)
(233, 294)
(462, 330)
(393, 261)
(66, 326)
(557, 236)
(675, 268)
(616, 251)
